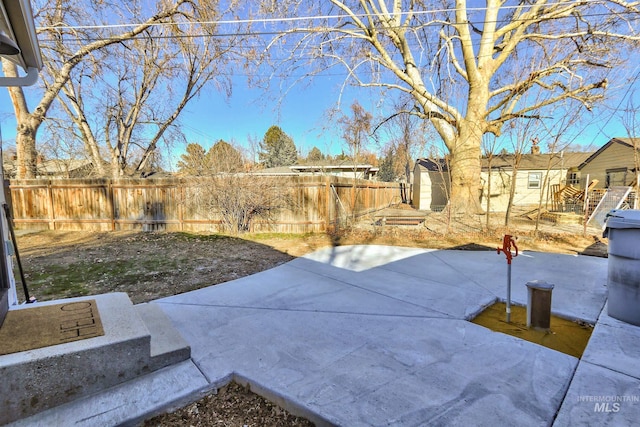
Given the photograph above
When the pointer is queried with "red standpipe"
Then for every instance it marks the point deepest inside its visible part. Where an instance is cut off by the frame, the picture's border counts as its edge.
(507, 243)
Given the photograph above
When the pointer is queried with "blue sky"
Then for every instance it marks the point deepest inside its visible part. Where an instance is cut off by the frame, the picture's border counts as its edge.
(250, 112)
(302, 116)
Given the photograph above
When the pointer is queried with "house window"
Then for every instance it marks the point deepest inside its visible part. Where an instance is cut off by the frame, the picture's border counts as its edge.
(573, 178)
(534, 179)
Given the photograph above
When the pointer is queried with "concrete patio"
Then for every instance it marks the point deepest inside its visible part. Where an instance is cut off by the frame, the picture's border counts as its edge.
(378, 335)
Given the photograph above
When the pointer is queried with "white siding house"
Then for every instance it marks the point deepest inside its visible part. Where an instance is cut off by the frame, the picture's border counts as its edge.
(359, 171)
(534, 176)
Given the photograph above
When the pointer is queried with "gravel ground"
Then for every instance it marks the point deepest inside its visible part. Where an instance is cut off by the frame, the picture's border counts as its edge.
(232, 406)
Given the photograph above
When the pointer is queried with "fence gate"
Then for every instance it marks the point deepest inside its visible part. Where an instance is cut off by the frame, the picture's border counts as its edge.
(612, 199)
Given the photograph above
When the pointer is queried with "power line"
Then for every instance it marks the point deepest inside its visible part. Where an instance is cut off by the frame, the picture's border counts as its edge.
(281, 20)
(291, 19)
(313, 30)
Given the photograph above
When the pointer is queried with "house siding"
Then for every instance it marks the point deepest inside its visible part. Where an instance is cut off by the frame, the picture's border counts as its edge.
(419, 196)
(430, 189)
(616, 156)
(524, 196)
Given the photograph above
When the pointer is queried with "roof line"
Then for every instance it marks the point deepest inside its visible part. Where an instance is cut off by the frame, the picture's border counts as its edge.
(605, 146)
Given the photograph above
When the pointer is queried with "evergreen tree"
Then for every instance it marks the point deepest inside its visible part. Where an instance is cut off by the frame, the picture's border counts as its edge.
(224, 157)
(195, 161)
(315, 155)
(387, 172)
(342, 157)
(277, 149)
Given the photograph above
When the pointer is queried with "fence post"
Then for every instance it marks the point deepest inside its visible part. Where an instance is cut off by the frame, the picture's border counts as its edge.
(367, 201)
(586, 206)
(635, 199)
(52, 216)
(327, 198)
(181, 206)
(112, 207)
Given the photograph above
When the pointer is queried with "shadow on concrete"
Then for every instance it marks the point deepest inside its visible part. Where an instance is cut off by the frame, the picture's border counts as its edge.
(472, 247)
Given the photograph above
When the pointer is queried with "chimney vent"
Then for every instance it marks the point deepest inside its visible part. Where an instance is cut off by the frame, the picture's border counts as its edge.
(535, 148)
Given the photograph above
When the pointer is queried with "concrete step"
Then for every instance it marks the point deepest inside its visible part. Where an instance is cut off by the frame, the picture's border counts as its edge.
(36, 380)
(130, 403)
(167, 345)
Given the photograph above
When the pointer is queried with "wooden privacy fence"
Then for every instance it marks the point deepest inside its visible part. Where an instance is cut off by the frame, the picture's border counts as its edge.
(313, 203)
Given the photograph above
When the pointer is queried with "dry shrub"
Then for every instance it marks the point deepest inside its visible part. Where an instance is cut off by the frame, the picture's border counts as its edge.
(239, 200)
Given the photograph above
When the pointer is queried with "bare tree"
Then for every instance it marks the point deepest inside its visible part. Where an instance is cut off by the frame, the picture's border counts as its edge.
(407, 138)
(521, 137)
(557, 146)
(132, 59)
(144, 91)
(240, 200)
(356, 130)
(462, 64)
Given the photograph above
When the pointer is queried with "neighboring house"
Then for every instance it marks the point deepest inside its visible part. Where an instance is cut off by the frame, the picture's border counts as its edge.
(360, 171)
(535, 174)
(54, 168)
(615, 164)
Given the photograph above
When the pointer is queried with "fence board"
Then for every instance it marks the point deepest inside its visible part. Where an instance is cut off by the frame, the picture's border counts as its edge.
(184, 204)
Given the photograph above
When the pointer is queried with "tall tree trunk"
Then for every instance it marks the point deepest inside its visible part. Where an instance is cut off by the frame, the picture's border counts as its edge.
(118, 163)
(27, 156)
(28, 125)
(488, 196)
(465, 168)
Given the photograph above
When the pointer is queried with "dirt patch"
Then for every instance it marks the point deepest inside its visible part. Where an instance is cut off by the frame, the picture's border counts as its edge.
(147, 266)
